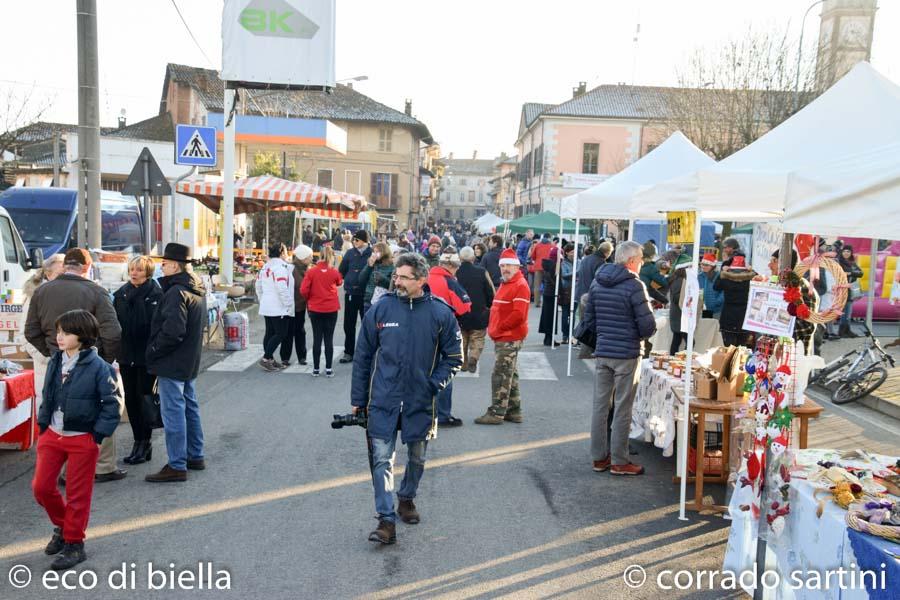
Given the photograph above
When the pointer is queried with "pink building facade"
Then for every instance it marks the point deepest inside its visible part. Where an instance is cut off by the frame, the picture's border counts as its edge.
(574, 145)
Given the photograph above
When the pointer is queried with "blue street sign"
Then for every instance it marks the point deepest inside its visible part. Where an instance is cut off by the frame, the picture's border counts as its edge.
(195, 145)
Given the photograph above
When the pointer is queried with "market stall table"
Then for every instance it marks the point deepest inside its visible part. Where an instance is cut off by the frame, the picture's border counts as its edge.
(17, 411)
(705, 408)
(810, 547)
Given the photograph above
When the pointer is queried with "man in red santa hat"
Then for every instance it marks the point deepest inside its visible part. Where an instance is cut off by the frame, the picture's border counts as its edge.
(508, 327)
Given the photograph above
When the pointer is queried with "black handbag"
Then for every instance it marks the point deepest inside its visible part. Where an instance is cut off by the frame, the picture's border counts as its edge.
(150, 410)
(585, 334)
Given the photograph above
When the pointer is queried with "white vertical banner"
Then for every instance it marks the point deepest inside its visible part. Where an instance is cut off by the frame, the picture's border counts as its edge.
(690, 307)
(279, 42)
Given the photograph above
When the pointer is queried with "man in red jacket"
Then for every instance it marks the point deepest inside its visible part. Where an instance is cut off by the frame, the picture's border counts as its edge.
(508, 327)
(442, 284)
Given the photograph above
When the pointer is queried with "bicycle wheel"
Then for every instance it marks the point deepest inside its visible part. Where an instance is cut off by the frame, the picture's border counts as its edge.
(860, 386)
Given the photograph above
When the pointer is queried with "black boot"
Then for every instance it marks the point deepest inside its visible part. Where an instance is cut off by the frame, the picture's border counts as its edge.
(143, 453)
(71, 555)
(56, 542)
(129, 460)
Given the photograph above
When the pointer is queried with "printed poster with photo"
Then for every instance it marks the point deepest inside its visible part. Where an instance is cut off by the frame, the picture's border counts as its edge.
(767, 311)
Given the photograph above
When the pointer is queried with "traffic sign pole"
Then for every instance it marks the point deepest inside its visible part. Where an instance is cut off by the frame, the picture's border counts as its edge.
(227, 239)
(148, 217)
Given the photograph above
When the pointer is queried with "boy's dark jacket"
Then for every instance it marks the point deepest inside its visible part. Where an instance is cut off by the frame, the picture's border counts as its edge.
(89, 398)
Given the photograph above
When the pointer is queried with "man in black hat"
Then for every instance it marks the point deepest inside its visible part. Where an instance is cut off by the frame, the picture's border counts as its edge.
(173, 355)
(352, 263)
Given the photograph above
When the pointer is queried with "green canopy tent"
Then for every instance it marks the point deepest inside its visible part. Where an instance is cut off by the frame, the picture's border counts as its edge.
(545, 222)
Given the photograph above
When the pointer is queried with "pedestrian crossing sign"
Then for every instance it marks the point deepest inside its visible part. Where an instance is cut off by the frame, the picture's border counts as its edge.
(195, 145)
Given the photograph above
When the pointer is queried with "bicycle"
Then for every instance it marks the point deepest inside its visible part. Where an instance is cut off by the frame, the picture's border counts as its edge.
(857, 373)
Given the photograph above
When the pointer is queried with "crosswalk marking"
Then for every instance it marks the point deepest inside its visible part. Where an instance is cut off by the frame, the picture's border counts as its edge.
(239, 359)
(535, 366)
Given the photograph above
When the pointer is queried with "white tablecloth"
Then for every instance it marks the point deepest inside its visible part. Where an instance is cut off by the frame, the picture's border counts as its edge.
(808, 544)
(706, 335)
(653, 414)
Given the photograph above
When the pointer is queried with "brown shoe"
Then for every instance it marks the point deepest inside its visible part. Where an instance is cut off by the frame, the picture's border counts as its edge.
(489, 418)
(407, 511)
(628, 469)
(167, 474)
(513, 417)
(602, 465)
(111, 476)
(386, 533)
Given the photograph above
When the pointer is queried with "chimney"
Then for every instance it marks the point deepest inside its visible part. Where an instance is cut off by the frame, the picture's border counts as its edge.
(408, 109)
(451, 156)
(122, 119)
(474, 154)
(580, 90)
(350, 84)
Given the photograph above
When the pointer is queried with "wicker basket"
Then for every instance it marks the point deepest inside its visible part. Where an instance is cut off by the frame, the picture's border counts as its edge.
(857, 522)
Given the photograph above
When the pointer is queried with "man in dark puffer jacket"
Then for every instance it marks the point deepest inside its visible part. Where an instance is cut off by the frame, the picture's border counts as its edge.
(619, 310)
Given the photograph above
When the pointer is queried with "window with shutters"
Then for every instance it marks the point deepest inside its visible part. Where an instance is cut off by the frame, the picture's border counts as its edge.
(446, 213)
(590, 158)
(462, 181)
(538, 160)
(462, 213)
(462, 197)
(325, 178)
(472, 196)
(385, 139)
(383, 192)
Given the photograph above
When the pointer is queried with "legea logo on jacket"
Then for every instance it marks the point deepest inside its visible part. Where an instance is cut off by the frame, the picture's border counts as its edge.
(384, 325)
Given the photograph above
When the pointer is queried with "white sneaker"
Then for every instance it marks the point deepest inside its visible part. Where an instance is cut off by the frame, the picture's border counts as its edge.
(315, 373)
(329, 373)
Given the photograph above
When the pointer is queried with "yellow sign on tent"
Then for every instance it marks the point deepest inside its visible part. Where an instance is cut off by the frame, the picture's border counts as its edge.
(681, 227)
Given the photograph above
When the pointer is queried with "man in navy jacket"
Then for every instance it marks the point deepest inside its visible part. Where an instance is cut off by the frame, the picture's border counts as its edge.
(352, 263)
(407, 352)
(619, 310)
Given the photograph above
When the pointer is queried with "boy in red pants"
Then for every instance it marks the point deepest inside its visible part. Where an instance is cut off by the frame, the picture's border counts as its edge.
(81, 407)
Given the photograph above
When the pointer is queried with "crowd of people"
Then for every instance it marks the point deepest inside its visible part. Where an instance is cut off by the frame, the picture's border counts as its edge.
(418, 308)
(96, 355)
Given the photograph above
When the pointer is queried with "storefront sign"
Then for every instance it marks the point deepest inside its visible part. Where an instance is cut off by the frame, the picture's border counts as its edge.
(11, 317)
(767, 311)
(582, 181)
(681, 227)
(281, 42)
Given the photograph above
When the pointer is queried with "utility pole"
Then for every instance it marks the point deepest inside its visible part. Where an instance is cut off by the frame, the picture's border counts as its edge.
(89, 119)
(56, 159)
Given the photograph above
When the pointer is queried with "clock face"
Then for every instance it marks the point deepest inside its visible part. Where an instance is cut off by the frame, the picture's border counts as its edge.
(854, 31)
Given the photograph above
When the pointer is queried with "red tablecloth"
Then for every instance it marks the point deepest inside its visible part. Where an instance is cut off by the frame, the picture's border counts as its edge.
(19, 388)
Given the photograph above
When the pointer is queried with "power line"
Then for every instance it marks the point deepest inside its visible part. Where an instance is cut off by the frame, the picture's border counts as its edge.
(191, 33)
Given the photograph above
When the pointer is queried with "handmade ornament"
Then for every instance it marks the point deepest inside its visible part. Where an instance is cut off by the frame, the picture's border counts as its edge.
(839, 290)
(783, 417)
(778, 445)
(782, 377)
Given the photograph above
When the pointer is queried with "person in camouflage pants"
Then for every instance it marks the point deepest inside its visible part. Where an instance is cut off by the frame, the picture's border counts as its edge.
(508, 327)
(505, 399)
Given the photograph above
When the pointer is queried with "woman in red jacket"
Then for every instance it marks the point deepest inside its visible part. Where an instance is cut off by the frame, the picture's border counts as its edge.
(320, 290)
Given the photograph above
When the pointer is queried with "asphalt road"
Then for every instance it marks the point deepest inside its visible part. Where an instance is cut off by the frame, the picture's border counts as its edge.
(286, 504)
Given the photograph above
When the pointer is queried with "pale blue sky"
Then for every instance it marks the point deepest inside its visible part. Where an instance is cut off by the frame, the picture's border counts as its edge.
(468, 65)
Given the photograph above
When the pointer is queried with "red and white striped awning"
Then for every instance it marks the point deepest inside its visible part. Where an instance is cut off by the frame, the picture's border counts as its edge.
(255, 194)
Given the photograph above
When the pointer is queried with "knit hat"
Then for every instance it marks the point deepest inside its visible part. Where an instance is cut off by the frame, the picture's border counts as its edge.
(682, 261)
(508, 257)
(434, 240)
(361, 235)
(709, 259)
(302, 252)
(738, 262)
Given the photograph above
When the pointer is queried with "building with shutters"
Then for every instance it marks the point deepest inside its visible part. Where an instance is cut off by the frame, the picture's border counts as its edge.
(343, 140)
(465, 191)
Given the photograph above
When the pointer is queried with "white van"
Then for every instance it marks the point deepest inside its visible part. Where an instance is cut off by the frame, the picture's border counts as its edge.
(15, 261)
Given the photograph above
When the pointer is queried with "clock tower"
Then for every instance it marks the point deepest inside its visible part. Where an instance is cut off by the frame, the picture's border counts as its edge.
(845, 38)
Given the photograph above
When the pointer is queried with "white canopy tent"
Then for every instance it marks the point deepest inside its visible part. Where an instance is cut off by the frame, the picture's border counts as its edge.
(613, 198)
(857, 195)
(858, 112)
(489, 222)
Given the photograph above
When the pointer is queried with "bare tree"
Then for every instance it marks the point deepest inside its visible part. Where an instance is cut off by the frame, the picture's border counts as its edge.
(17, 112)
(729, 97)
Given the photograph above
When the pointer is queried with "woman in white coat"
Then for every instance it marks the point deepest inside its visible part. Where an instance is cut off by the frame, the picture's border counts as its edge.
(275, 291)
(52, 267)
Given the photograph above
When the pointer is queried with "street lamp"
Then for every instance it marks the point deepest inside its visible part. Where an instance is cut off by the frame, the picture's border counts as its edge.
(800, 52)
